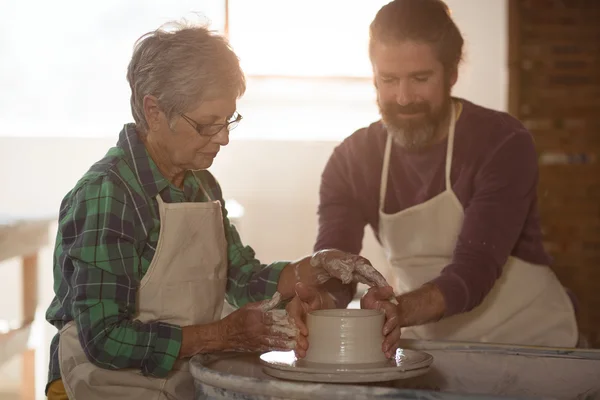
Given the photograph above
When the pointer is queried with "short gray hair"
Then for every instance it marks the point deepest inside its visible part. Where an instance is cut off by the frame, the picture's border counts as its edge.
(182, 67)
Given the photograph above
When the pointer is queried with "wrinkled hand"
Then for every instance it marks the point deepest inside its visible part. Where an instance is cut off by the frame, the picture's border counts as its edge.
(257, 327)
(307, 299)
(346, 267)
(377, 298)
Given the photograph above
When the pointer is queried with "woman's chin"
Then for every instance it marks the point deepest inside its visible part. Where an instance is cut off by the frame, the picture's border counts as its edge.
(199, 165)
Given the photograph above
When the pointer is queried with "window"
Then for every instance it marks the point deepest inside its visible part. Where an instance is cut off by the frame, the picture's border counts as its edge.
(309, 38)
(64, 63)
(65, 74)
(309, 76)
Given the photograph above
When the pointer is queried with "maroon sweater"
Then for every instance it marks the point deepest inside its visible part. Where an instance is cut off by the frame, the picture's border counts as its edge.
(494, 175)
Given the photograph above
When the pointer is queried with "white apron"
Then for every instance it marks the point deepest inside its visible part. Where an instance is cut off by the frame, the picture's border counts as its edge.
(526, 306)
(184, 285)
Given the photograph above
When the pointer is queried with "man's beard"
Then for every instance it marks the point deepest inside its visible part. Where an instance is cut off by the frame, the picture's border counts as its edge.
(417, 132)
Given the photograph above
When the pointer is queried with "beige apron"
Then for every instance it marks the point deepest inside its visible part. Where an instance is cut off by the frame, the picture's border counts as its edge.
(184, 285)
(527, 304)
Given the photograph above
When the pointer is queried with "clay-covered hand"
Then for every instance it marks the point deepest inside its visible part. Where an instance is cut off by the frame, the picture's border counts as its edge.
(307, 299)
(258, 327)
(378, 298)
(346, 267)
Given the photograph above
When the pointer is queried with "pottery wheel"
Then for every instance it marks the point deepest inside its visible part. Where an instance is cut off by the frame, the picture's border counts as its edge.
(406, 364)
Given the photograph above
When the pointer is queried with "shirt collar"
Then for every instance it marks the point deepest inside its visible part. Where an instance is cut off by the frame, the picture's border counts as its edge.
(146, 170)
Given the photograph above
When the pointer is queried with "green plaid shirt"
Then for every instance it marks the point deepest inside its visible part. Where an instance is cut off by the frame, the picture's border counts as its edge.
(107, 235)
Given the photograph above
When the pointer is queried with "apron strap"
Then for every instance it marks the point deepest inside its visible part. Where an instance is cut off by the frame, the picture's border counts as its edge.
(199, 181)
(450, 148)
(384, 171)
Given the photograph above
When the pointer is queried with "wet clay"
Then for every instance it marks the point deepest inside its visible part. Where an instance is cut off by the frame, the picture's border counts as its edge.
(345, 336)
(281, 324)
(272, 303)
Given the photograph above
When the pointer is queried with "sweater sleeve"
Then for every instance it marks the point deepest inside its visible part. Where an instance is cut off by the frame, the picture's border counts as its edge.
(505, 189)
(341, 223)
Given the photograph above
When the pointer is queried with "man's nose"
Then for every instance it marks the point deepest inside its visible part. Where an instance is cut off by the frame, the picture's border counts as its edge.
(404, 93)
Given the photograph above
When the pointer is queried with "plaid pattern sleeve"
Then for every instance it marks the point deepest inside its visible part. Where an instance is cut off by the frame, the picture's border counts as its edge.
(247, 279)
(100, 260)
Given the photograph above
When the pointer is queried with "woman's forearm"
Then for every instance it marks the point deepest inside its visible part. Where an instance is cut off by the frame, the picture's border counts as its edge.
(286, 285)
(199, 339)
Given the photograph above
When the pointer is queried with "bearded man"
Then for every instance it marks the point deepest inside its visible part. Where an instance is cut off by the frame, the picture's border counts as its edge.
(449, 189)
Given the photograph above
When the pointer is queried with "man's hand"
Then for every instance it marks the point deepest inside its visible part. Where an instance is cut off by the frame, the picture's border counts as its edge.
(307, 299)
(378, 298)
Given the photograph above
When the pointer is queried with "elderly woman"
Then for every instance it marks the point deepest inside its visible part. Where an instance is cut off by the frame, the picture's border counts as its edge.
(145, 254)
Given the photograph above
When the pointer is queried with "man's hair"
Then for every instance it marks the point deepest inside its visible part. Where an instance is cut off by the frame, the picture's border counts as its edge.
(182, 64)
(424, 21)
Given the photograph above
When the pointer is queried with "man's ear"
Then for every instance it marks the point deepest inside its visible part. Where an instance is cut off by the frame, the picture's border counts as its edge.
(453, 76)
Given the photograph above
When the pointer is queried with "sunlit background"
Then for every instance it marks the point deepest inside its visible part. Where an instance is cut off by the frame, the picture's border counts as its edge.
(64, 62)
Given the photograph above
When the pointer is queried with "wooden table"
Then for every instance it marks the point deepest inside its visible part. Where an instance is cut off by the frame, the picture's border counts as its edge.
(23, 239)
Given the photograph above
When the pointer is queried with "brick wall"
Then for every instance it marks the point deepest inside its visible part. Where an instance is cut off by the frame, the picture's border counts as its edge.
(554, 56)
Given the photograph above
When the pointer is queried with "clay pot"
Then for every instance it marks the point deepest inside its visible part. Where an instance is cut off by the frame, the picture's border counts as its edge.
(345, 336)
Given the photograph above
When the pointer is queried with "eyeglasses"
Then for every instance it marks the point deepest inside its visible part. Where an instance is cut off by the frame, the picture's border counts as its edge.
(209, 130)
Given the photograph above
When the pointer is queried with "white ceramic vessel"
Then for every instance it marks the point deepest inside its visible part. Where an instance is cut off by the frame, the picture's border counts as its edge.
(345, 336)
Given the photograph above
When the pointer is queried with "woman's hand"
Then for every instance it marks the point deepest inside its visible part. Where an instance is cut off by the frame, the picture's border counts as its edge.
(323, 265)
(307, 299)
(346, 267)
(258, 327)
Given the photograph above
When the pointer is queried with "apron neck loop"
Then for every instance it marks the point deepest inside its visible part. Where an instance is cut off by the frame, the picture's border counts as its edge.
(450, 145)
(384, 171)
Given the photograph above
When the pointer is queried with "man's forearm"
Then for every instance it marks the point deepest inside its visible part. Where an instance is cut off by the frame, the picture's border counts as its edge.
(421, 306)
